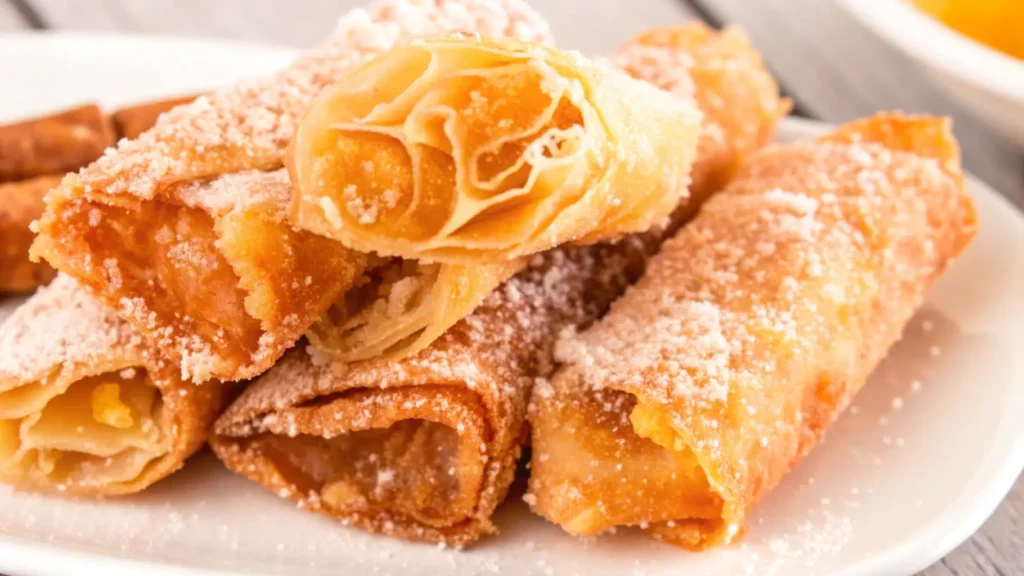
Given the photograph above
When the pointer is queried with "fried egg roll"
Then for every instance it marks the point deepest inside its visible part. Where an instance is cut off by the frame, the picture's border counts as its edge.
(20, 204)
(240, 315)
(749, 333)
(53, 144)
(465, 151)
(405, 304)
(87, 407)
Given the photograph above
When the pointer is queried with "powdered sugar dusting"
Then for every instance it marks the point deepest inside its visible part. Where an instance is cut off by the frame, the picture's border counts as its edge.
(37, 339)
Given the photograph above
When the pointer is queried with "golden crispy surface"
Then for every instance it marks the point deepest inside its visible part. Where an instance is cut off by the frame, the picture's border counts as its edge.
(86, 406)
(20, 204)
(53, 144)
(757, 323)
(462, 151)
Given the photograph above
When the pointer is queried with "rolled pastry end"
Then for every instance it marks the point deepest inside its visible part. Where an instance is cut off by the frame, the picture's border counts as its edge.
(96, 436)
(465, 151)
(85, 408)
(411, 462)
(602, 460)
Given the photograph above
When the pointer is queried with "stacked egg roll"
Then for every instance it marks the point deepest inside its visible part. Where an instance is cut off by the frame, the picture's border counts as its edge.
(425, 447)
(53, 144)
(34, 155)
(21, 203)
(206, 175)
(749, 333)
(474, 151)
(86, 406)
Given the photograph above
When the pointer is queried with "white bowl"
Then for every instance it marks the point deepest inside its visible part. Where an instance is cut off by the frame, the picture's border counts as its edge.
(985, 81)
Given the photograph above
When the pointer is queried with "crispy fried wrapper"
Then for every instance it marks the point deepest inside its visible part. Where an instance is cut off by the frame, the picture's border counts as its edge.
(465, 151)
(245, 285)
(749, 333)
(426, 447)
(53, 144)
(131, 121)
(20, 204)
(86, 406)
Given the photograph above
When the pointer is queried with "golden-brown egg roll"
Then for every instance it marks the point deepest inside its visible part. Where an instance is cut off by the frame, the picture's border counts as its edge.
(87, 407)
(473, 152)
(53, 144)
(232, 321)
(749, 333)
(20, 204)
(426, 447)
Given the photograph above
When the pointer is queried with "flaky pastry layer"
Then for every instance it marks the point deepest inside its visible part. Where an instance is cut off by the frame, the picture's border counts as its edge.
(467, 151)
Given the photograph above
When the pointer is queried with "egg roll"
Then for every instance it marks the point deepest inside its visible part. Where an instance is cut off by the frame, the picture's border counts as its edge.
(20, 204)
(465, 151)
(426, 447)
(53, 144)
(244, 285)
(131, 121)
(87, 407)
(749, 333)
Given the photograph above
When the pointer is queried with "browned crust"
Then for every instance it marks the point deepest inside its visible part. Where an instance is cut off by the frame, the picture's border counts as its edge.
(54, 144)
(20, 204)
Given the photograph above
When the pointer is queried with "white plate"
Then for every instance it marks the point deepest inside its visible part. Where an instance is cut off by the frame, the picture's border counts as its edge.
(889, 492)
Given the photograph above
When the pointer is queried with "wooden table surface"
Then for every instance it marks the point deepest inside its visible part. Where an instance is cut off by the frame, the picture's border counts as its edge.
(831, 66)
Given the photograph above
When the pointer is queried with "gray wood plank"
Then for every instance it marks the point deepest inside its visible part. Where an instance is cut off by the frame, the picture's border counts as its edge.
(10, 19)
(839, 70)
(607, 22)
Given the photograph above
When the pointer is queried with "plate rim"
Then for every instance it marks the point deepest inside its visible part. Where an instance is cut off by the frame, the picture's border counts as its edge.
(927, 545)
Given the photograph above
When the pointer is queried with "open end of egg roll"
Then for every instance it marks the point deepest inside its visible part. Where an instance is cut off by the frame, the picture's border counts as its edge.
(635, 474)
(86, 406)
(466, 152)
(101, 430)
(402, 306)
(420, 463)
